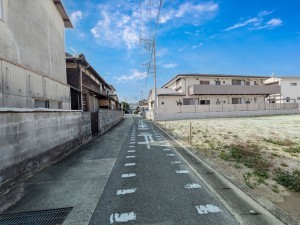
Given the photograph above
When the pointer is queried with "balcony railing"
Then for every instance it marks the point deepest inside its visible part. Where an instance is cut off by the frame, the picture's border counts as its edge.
(234, 89)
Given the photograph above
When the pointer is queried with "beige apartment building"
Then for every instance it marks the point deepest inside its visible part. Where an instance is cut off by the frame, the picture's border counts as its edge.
(32, 54)
(188, 94)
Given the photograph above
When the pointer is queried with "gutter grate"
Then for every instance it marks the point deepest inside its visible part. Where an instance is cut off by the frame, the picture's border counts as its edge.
(43, 217)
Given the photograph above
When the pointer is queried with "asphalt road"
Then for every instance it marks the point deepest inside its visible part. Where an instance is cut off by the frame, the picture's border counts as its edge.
(151, 184)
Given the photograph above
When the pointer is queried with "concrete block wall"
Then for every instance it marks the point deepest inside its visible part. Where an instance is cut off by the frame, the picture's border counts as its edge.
(108, 118)
(203, 115)
(30, 141)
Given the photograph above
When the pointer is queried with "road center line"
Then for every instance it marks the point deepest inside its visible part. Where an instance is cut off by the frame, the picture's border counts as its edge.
(124, 217)
(129, 164)
(181, 171)
(126, 191)
(192, 186)
(128, 175)
(130, 156)
(170, 154)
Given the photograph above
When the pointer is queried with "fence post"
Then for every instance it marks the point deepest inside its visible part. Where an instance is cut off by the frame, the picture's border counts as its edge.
(190, 133)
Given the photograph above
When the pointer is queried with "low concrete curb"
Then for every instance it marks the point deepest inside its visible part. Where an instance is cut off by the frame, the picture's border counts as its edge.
(265, 203)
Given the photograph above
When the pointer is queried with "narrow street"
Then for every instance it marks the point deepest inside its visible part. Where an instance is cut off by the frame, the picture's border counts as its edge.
(150, 184)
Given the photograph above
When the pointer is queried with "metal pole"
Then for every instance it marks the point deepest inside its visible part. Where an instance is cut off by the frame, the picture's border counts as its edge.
(155, 90)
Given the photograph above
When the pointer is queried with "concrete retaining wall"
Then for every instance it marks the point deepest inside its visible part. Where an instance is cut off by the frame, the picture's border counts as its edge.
(108, 118)
(30, 141)
(203, 115)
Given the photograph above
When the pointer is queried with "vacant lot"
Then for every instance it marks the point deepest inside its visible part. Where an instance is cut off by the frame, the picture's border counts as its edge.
(262, 152)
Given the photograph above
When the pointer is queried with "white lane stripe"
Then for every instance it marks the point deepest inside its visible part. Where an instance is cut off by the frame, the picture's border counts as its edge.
(170, 154)
(124, 217)
(166, 149)
(126, 191)
(130, 146)
(131, 151)
(130, 156)
(175, 162)
(163, 145)
(132, 143)
(129, 164)
(181, 171)
(151, 139)
(191, 186)
(208, 208)
(128, 175)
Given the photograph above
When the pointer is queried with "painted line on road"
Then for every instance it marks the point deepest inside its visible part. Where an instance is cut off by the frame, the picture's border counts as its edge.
(124, 217)
(181, 171)
(170, 154)
(175, 162)
(126, 191)
(132, 143)
(131, 151)
(125, 175)
(208, 208)
(192, 186)
(167, 149)
(130, 156)
(129, 164)
(130, 146)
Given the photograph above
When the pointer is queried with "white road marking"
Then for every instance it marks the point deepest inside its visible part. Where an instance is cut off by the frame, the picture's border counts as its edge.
(141, 143)
(166, 149)
(129, 164)
(128, 175)
(175, 162)
(181, 171)
(164, 145)
(131, 151)
(132, 143)
(130, 156)
(124, 217)
(170, 154)
(191, 186)
(208, 208)
(130, 146)
(126, 191)
(147, 141)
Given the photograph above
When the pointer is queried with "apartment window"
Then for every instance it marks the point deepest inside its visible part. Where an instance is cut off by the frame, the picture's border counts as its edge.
(238, 82)
(204, 102)
(248, 83)
(293, 84)
(1, 10)
(238, 100)
(298, 98)
(255, 82)
(218, 82)
(204, 82)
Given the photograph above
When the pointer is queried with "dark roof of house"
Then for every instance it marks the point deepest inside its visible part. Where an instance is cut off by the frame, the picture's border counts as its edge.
(63, 13)
(80, 59)
(214, 75)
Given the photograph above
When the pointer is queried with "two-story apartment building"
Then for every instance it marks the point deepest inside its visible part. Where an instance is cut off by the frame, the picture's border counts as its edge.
(213, 90)
(290, 89)
(32, 59)
(89, 91)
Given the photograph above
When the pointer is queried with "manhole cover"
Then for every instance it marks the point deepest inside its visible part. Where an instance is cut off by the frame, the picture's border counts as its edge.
(43, 217)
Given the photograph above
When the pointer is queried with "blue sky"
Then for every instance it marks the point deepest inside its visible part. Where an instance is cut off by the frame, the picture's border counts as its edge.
(253, 37)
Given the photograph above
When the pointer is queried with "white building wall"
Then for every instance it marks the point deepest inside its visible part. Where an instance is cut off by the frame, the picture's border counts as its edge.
(287, 90)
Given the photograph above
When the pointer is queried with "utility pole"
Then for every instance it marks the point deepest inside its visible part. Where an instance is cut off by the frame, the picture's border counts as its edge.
(155, 89)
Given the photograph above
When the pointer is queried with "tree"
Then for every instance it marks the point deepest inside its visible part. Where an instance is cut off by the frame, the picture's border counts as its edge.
(125, 107)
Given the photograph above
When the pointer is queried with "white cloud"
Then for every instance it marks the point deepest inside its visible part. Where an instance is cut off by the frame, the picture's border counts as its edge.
(75, 17)
(169, 65)
(197, 46)
(182, 48)
(191, 12)
(161, 52)
(257, 23)
(242, 24)
(135, 75)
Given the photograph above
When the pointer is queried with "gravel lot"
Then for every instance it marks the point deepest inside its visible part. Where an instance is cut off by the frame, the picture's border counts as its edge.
(275, 139)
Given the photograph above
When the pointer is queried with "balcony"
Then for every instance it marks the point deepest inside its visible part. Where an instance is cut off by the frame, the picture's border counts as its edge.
(234, 89)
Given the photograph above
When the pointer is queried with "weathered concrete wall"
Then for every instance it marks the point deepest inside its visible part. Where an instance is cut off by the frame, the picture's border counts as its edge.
(32, 34)
(203, 115)
(108, 118)
(30, 141)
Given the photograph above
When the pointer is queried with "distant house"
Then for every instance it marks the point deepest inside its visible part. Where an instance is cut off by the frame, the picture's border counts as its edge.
(89, 91)
(290, 89)
(32, 59)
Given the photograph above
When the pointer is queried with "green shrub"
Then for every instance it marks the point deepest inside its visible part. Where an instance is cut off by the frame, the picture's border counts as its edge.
(287, 179)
